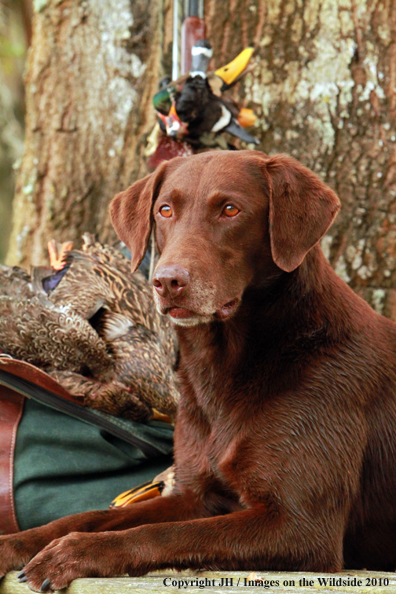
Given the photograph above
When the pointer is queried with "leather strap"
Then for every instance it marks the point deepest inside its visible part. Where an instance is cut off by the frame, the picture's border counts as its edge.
(11, 408)
(36, 376)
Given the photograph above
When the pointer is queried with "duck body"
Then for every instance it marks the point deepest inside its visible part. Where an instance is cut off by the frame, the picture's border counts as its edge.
(115, 351)
(194, 106)
(201, 109)
(37, 331)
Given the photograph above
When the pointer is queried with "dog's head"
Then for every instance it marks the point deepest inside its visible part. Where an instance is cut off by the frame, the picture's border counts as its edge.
(224, 220)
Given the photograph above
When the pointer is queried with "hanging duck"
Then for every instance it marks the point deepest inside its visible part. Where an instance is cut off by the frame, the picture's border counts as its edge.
(194, 106)
(92, 325)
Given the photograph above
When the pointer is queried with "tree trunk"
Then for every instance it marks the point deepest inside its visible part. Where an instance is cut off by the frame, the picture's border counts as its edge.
(91, 73)
(324, 88)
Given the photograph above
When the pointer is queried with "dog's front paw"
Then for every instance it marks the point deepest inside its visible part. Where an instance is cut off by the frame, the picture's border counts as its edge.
(15, 551)
(76, 555)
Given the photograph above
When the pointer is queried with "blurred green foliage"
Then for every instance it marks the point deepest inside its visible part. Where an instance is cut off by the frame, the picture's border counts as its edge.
(9, 49)
(15, 19)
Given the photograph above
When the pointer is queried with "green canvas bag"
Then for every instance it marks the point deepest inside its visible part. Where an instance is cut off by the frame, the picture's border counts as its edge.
(66, 458)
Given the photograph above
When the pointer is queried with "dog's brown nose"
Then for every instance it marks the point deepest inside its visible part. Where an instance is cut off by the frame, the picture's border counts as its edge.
(170, 281)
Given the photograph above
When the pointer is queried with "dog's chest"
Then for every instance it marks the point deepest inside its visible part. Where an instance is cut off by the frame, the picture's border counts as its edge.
(219, 431)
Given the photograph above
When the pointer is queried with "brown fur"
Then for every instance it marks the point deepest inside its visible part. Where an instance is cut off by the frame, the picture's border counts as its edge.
(285, 443)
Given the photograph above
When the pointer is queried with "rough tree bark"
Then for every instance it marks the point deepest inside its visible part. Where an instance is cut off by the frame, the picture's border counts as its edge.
(324, 88)
(91, 72)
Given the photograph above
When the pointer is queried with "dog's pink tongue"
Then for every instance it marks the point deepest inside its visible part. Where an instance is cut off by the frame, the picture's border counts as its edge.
(180, 312)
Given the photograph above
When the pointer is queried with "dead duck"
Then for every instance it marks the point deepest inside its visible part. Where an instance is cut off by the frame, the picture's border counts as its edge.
(194, 106)
(117, 352)
(35, 330)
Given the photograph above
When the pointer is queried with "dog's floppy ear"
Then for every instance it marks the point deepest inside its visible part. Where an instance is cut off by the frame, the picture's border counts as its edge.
(131, 216)
(301, 209)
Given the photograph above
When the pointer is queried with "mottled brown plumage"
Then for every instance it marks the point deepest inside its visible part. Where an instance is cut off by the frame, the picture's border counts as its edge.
(97, 332)
(15, 282)
(37, 331)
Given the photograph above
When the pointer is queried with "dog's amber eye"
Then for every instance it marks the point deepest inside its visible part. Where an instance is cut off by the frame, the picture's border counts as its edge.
(230, 210)
(166, 211)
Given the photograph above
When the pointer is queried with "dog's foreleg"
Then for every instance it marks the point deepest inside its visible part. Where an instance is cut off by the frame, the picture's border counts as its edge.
(17, 549)
(244, 540)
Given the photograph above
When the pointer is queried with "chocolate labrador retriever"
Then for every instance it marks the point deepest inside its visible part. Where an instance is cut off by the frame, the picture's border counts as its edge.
(285, 442)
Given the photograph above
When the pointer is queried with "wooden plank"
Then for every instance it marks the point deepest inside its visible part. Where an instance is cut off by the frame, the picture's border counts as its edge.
(368, 582)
